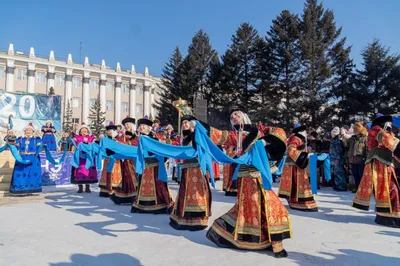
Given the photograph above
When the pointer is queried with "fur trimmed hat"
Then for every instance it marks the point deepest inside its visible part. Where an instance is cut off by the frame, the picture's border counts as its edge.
(83, 125)
(30, 125)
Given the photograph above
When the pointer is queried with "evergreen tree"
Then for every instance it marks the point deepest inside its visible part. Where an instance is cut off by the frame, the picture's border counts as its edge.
(196, 67)
(97, 118)
(214, 94)
(379, 80)
(348, 98)
(172, 89)
(283, 40)
(67, 121)
(264, 100)
(317, 37)
(238, 75)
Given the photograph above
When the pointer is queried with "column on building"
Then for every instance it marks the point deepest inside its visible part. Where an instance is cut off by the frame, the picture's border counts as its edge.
(10, 75)
(146, 99)
(68, 87)
(31, 77)
(103, 81)
(85, 97)
(152, 101)
(117, 108)
(132, 98)
(50, 77)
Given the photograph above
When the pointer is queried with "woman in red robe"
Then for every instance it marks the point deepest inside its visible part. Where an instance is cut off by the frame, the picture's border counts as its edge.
(110, 181)
(258, 220)
(295, 185)
(379, 178)
(153, 195)
(231, 141)
(193, 201)
(127, 190)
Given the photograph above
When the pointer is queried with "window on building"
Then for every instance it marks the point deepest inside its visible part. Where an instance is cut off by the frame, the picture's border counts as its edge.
(109, 105)
(139, 108)
(60, 80)
(76, 102)
(2, 72)
(94, 83)
(139, 90)
(40, 77)
(21, 74)
(125, 88)
(75, 120)
(92, 102)
(77, 82)
(110, 86)
(124, 107)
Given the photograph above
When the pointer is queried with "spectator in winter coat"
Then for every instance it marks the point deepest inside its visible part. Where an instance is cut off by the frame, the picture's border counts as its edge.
(337, 155)
(357, 152)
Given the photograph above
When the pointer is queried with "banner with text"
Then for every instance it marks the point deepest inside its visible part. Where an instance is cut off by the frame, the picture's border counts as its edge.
(26, 108)
(53, 175)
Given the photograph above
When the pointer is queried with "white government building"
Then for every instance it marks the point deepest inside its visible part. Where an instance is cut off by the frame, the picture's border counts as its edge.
(123, 92)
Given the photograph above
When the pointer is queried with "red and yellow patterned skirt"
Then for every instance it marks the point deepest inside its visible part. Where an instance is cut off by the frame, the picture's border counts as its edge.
(258, 220)
(193, 201)
(127, 189)
(153, 195)
(110, 181)
(228, 184)
(380, 180)
(295, 187)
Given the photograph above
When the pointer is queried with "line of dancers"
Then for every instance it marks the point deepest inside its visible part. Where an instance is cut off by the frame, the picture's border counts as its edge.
(258, 220)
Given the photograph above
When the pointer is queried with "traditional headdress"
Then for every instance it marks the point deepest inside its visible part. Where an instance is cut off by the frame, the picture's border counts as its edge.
(111, 126)
(83, 125)
(30, 125)
(381, 120)
(128, 120)
(145, 121)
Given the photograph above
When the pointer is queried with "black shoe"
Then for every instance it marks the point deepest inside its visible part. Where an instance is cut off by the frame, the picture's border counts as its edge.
(80, 190)
(114, 199)
(87, 189)
(281, 254)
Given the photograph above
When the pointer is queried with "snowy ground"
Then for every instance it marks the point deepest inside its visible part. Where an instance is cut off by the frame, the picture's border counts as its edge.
(64, 228)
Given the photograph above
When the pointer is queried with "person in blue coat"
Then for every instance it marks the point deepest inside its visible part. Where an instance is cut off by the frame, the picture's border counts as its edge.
(27, 178)
(48, 136)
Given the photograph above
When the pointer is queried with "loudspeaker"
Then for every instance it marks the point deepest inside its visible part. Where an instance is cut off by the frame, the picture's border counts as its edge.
(200, 109)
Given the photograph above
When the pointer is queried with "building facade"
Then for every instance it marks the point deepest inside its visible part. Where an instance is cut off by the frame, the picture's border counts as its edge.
(122, 92)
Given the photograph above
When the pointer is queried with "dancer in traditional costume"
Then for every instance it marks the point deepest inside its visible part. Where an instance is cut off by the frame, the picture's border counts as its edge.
(258, 220)
(216, 171)
(379, 178)
(193, 201)
(48, 136)
(153, 195)
(231, 141)
(110, 181)
(127, 190)
(295, 184)
(81, 175)
(27, 178)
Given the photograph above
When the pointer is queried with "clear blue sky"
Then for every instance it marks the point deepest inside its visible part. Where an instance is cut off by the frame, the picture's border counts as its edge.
(145, 32)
